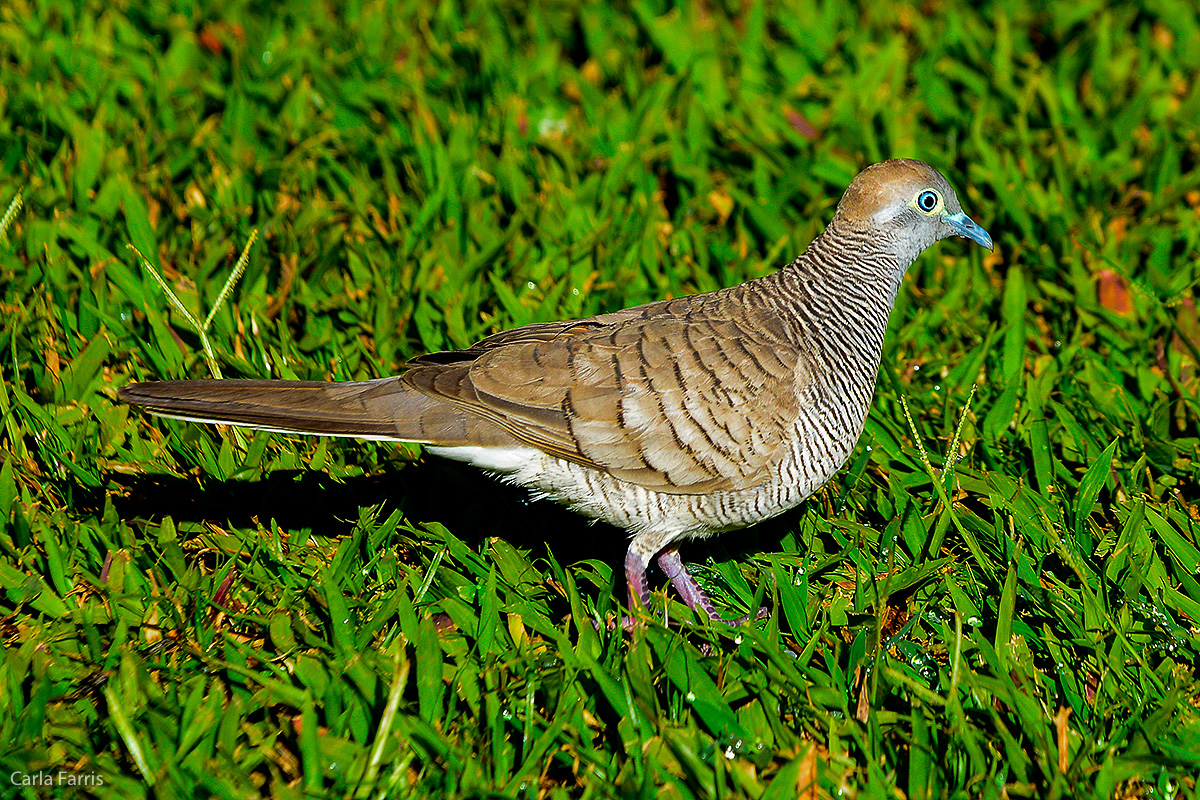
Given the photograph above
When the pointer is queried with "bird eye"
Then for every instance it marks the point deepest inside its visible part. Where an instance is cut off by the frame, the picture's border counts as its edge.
(929, 201)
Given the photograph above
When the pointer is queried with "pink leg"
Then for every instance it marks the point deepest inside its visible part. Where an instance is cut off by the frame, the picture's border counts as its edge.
(690, 591)
(635, 576)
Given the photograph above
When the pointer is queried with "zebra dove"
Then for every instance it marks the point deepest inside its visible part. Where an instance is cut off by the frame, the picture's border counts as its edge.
(673, 420)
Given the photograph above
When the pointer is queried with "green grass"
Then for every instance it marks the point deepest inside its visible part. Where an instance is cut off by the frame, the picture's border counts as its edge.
(187, 616)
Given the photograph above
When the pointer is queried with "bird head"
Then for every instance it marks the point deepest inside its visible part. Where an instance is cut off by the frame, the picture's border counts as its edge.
(905, 206)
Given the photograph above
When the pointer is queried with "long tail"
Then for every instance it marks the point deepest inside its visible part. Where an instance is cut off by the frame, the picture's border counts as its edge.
(386, 408)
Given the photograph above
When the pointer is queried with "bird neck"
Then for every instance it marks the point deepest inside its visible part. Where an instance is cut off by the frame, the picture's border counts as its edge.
(848, 256)
(842, 289)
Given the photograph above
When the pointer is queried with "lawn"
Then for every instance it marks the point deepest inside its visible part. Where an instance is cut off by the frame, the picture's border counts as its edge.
(998, 597)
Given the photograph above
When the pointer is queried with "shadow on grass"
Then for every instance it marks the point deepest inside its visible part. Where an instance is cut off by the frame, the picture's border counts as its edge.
(468, 503)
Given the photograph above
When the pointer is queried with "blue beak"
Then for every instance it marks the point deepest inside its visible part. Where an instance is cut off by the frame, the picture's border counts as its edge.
(965, 227)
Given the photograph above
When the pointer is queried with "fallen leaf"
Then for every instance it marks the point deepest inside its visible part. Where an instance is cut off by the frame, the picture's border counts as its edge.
(1114, 291)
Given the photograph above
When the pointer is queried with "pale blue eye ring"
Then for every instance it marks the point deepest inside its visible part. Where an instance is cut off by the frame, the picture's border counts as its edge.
(927, 200)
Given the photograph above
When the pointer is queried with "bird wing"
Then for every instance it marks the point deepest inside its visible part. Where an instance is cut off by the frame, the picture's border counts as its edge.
(684, 396)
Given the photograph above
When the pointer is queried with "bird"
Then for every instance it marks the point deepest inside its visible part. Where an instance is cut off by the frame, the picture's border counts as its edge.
(674, 420)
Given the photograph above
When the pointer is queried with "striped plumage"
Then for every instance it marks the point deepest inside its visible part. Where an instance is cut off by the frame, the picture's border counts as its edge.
(672, 420)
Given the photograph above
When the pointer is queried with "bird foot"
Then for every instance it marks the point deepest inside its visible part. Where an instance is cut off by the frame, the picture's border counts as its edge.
(696, 598)
(685, 585)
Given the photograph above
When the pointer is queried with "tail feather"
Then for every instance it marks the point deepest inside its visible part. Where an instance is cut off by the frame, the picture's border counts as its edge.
(386, 408)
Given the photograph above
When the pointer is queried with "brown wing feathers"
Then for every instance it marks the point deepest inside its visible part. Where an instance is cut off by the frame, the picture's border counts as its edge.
(659, 396)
